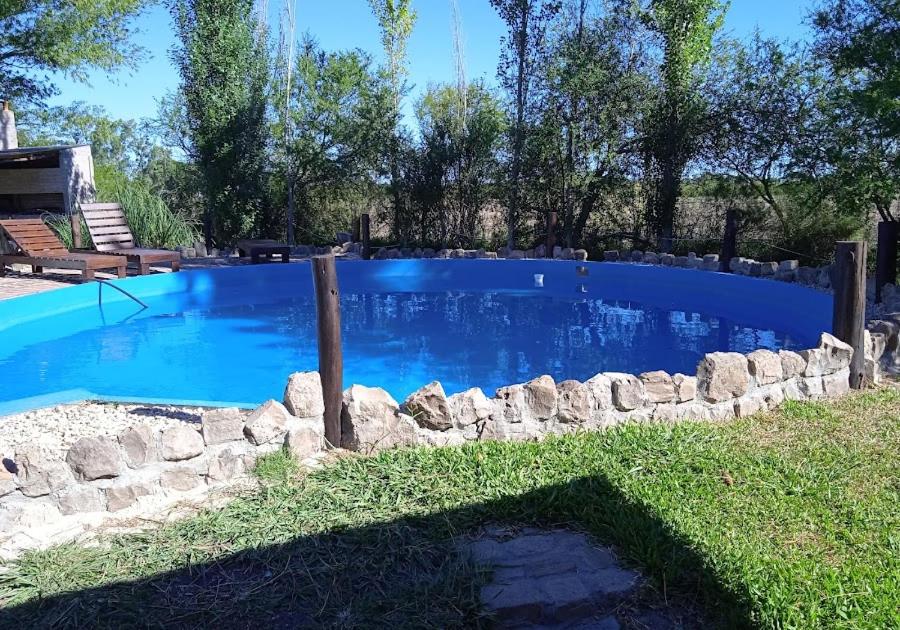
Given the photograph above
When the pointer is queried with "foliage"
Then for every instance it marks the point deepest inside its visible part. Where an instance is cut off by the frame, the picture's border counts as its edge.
(581, 151)
(454, 167)
(223, 63)
(125, 145)
(396, 19)
(860, 39)
(783, 520)
(67, 36)
(335, 132)
(685, 30)
(151, 221)
(526, 23)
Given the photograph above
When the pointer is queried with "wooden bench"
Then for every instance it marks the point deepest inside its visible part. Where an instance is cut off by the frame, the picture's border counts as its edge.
(41, 248)
(263, 250)
(110, 233)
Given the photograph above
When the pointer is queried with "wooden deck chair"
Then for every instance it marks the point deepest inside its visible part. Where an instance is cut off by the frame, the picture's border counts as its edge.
(40, 248)
(109, 230)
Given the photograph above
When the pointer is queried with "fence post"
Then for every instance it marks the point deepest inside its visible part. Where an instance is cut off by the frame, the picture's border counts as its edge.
(848, 323)
(331, 361)
(729, 241)
(75, 222)
(886, 261)
(364, 235)
(552, 220)
(354, 228)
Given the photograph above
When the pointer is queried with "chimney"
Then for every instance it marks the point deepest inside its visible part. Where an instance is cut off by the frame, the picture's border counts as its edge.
(9, 139)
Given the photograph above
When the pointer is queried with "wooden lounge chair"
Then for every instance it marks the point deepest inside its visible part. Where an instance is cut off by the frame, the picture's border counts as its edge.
(111, 235)
(260, 250)
(40, 248)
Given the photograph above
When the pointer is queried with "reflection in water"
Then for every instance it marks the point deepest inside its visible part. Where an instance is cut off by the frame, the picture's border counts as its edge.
(399, 341)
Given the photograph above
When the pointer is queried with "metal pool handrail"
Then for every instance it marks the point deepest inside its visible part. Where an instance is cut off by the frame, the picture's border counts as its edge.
(119, 289)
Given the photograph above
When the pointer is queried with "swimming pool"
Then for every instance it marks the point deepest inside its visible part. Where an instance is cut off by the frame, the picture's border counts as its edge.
(232, 336)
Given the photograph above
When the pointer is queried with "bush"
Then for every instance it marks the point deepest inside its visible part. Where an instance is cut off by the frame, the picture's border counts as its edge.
(151, 221)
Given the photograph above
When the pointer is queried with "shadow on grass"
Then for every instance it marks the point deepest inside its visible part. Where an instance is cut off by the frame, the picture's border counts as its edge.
(408, 572)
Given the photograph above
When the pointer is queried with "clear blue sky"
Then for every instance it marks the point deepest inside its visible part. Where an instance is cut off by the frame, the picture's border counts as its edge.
(342, 24)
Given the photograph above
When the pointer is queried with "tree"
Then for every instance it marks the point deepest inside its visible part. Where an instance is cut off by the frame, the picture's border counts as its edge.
(396, 18)
(526, 23)
(334, 136)
(223, 64)
(65, 36)
(765, 103)
(456, 162)
(592, 83)
(860, 39)
(125, 145)
(685, 29)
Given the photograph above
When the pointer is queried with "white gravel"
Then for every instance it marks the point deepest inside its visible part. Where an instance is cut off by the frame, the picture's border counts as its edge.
(55, 429)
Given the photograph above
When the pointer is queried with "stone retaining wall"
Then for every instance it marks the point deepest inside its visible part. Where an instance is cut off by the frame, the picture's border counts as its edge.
(45, 499)
(727, 385)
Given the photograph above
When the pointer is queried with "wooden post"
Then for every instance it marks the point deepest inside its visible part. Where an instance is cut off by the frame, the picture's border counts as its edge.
(331, 360)
(552, 221)
(75, 222)
(848, 323)
(354, 229)
(364, 235)
(886, 261)
(729, 241)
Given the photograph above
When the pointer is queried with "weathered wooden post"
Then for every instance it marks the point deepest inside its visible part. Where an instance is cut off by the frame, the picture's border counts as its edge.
(331, 360)
(552, 221)
(729, 241)
(848, 323)
(354, 229)
(75, 222)
(886, 260)
(364, 236)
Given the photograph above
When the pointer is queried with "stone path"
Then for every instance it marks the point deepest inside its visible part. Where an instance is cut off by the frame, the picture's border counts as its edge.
(558, 579)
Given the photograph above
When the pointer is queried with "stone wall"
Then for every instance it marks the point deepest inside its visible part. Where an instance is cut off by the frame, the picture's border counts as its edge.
(727, 385)
(48, 498)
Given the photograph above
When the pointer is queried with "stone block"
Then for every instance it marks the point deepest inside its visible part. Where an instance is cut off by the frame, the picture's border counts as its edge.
(765, 367)
(429, 407)
(93, 458)
(666, 412)
(637, 256)
(305, 438)
(541, 397)
(792, 364)
(685, 387)
(140, 445)
(611, 256)
(581, 255)
(371, 421)
(226, 465)
(658, 386)
(180, 442)
(38, 473)
(222, 425)
(122, 496)
(627, 391)
(469, 407)
(748, 405)
(179, 478)
(303, 395)
(7, 482)
(601, 392)
(722, 376)
(651, 258)
(267, 423)
(836, 384)
(79, 498)
(575, 402)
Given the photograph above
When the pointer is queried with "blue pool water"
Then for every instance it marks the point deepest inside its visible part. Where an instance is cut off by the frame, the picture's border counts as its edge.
(234, 339)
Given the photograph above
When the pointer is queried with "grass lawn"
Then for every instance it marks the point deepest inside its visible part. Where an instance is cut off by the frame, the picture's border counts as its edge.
(788, 520)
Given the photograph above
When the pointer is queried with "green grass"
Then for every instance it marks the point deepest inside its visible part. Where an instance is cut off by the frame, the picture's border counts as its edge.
(787, 520)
